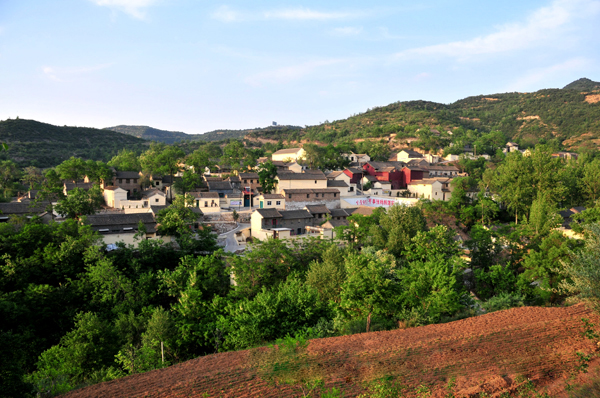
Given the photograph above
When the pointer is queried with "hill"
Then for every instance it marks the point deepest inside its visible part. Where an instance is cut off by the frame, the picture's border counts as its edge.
(566, 116)
(512, 351)
(171, 137)
(32, 143)
(583, 84)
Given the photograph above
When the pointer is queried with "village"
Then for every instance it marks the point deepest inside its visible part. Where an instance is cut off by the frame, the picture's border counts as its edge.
(303, 203)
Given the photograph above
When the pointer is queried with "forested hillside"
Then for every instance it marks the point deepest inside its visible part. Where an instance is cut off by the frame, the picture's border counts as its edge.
(171, 137)
(569, 117)
(32, 143)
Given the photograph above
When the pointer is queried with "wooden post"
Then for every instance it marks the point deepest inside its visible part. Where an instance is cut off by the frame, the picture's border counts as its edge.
(162, 352)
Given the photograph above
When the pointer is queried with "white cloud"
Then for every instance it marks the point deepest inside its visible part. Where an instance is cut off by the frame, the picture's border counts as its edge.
(65, 74)
(541, 26)
(347, 31)
(226, 14)
(289, 73)
(304, 14)
(229, 14)
(135, 8)
(531, 79)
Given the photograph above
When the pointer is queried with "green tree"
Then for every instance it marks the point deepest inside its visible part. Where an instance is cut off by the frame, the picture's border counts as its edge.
(266, 176)
(32, 176)
(233, 154)
(328, 275)
(126, 160)
(81, 202)
(98, 172)
(188, 182)
(9, 172)
(162, 159)
(200, 160)
(72, 169)
(589, 183)
(370, 286)
(51, 190)
(396, 228)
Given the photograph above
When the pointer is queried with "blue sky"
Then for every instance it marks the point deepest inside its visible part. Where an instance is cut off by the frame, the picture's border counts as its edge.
(196, 66)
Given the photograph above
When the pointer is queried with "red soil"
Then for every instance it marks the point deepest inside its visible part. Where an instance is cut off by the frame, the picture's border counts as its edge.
(492, 353)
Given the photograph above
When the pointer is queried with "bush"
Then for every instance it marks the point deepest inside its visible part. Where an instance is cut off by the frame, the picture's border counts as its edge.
(504, 301)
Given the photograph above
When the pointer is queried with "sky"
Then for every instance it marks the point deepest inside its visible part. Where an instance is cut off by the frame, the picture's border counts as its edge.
(196, 66)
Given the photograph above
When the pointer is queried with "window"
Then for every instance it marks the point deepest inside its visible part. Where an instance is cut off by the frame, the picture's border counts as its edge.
(120, 181)
(245, 181)
(315, 181)
(251, 181)
(351, 189)
(278, 202)
(308, 196)
(135, 180)
(268, 203)
(290, 196)
(205, 203)
(334, 195)
(127, 181)
(156, 200)
(157, 183)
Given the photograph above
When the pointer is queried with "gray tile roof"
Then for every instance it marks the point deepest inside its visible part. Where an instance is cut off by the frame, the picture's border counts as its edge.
(127, 174)
(340, 212)
(19, 209)
(121, 223)
(302, 176)
(317, 209)
(150, 192)
(337, 183)
(269, 213)
(287, 151)
(273, 196)
(219, 186)
(295, 214)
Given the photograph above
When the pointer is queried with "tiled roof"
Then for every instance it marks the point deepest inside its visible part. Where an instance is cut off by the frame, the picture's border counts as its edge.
(81, 185)
(121, 223)
(151, 192)
(127, 174)
(337, 183)
(205, 195)
(248, 176)
(273, 196)
(362, 210)
(334, 174)
(335, 223)
(269, 213)
(219, 186)
(19, 208)
(317, 209)
(295, 214)
(302, 176)
(339, 213)
(113, 188)
(311, 190)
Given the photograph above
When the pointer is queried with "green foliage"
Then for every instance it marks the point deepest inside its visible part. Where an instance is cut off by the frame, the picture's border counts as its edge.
(125, 160)
(266, 176)
(504, 301)
(328, 275)
(80, 202)
(286, 309)
(396, 227)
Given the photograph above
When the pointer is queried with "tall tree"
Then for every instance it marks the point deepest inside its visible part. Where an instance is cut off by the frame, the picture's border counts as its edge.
(80, 202)
(162, 159)
(32, 176)
(72, 169)
(125, 161)
(266, 176)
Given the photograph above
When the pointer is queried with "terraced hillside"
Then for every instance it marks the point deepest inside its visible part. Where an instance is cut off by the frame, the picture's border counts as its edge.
(509, 352)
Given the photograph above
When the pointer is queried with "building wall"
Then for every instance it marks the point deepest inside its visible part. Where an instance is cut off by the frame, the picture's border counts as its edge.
(273, 205)
(299, 184)
(131, 186)
(127, 238)
(299, 205)
(293, 156)
(114, 198)
(208, 205)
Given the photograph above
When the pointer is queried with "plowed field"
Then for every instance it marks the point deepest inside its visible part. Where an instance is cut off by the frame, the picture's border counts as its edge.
(492, 354)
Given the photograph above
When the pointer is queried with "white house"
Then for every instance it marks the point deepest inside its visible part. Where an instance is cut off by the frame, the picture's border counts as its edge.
(431, 188)
(290, 154)
(114, 195)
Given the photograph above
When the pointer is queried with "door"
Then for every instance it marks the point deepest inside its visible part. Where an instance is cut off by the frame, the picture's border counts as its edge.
(261, 204)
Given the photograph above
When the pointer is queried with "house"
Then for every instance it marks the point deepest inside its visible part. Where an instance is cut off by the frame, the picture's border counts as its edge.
(290, 154)
(511, 147)
(280, 224)
(220, 187)
(271, 201)
(359, 158)
(149, 197)
(407, 154)
(209, 202)
(441, 170)
(387, 171)
(19, 209)
(412, 172)
(565, 155)
(311, 180)
(122, 227)
(319, 212)
(345, 189)
(431, 188)
(298, 198)
(249, 181)
(295, 167)
(127, 180)
(69, 186)
(233, 200)
(114, 195)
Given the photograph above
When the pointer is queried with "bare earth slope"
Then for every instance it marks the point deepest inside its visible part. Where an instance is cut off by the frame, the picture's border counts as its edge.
(491, 353)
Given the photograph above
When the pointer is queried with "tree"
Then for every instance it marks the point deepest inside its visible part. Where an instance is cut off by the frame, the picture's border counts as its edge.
(50, 191)
(327, 276)
(396, 228)
(177, 219)
(188, 182)
(233, 154)
(98, 172)
(72, 169)
(429, 280)
(125, 161)
(9, 172)
(266, 176)
(162, 159)
(32, 176)
(370, 286)
(583, 271)
(80, 202)
(590, 181)
(200, 161)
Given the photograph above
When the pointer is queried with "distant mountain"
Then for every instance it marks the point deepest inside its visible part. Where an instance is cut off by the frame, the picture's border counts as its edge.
(31, 143)
(151, 134)
(171, 137)
(565, 115)
(583, 84)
